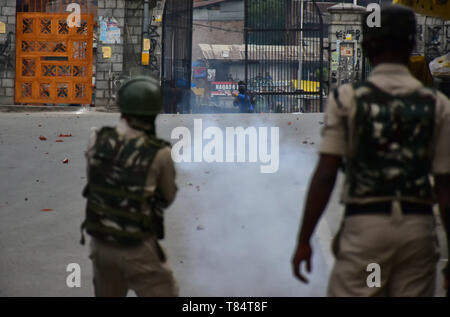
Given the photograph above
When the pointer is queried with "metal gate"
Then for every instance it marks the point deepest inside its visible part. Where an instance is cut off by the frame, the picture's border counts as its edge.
(284, 55)
(177, 55)
(53, 60)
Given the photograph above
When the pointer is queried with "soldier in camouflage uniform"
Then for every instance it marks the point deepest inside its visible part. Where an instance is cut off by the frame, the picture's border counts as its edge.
(131, 179)
(390, 135)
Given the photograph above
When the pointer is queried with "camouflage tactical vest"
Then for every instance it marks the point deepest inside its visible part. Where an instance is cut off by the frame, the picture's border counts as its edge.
(117, 209)
(390, 157)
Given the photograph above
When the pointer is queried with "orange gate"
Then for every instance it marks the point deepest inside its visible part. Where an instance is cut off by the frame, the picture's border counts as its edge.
(53, 60)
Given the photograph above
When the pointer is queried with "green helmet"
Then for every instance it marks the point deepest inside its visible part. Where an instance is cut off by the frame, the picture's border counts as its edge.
(140, 96)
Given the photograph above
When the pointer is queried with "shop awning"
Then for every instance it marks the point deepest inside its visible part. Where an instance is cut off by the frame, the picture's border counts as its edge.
(436, 8)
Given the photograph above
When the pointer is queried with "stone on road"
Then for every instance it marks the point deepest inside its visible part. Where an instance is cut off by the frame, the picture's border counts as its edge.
(230, 232)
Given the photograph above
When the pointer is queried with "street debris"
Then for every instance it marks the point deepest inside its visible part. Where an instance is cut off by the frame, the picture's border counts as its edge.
(65, 161)
(65, 135)
(47, 209)
(200, 228)
(289, 123)
(189, 184)
(198, 188)
(42, 138)
(26, 198)
(207, 172)
(59, 141)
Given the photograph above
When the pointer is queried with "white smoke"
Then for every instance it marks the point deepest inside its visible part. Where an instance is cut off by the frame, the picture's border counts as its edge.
(232, 230)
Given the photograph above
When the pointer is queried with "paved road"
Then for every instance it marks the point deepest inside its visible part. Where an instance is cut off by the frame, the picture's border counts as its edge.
(230, 232)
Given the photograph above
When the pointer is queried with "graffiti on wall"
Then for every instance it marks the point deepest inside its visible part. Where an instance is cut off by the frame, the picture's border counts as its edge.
(347, 71)
(341, 35)
(433, 42)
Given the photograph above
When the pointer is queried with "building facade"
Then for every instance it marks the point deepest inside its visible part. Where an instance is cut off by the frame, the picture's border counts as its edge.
(45, 59)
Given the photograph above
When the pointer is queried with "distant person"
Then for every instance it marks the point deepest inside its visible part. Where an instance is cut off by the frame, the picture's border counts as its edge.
(243, 100)
(392, 134)
(131, 180)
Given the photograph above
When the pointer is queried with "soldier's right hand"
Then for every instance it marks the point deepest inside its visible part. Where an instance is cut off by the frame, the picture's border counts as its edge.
(302, 253)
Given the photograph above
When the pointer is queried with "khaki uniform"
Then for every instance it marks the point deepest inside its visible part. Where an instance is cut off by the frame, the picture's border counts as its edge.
(405, 246)
(143, 268)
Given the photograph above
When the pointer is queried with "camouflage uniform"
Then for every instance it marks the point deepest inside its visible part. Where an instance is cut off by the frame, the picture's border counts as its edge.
(392, 133)
(131, 180)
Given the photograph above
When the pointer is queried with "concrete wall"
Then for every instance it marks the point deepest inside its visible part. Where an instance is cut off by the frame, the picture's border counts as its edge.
(228, 11)
(7, 73)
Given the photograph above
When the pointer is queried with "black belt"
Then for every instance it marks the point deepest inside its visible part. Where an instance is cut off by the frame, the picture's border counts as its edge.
(384, 208)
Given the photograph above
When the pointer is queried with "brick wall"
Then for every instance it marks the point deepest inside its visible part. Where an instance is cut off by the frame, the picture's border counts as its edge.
(107, 68)
(7, 73)
(133, 38)
(125, 61)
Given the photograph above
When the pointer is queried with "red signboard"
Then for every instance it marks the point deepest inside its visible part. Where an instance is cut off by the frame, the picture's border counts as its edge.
(224, 88)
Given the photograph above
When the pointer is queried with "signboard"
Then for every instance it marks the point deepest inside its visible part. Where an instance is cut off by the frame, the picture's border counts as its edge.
(346, 51)
(106, 50)
(437, 8)
(146, 46)
(199, 72)
(2, 28)
(224, 88)
(211, 74)
(157, 18)
(145, 58)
